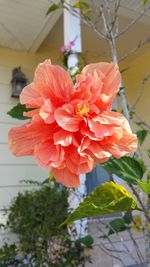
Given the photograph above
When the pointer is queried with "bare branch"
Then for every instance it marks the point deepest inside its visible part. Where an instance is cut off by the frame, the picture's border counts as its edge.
(140, 92)
(106, 27)
(143, 123)
(140, 202)
(127, 28)
(124, 103)
(140, 45)
(83, 19)
(122, 242)
(114, 23)
(139, 254)
(109, 254)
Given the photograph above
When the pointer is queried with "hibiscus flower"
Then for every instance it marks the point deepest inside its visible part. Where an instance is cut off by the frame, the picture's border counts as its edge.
(72, 127)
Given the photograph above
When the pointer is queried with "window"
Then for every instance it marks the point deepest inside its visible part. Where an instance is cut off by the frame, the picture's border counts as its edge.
(95, 178)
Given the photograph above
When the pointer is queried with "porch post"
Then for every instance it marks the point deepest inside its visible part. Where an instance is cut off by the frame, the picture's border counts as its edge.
(72, 32)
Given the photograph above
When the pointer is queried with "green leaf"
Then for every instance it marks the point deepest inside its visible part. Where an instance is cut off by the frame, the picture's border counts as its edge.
(83, 6)
(117, 225)
(127, 217)
(141, 135)
(144, 186)
(148, 177)
(105, 199)
(52, 8)
(125, 168)
(148, 153)
(17, 112)
(145, 2)
(87, 241)
(141, 161)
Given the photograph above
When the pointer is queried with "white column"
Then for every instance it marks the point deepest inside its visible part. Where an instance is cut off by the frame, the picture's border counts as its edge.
(72, 29)
(72, 32)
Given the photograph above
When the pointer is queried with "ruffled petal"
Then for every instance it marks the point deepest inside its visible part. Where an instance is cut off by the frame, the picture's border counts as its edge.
(47, 154)
(78, 163)
(66, 177)
(111, 80)
(123, 141)
(50, 82)
(62, 137)
(122, 146)
(97, 152)
(47, 112)
(31, 96)
(99, 129)
(22, 139)
(110, 118)
(66, 120)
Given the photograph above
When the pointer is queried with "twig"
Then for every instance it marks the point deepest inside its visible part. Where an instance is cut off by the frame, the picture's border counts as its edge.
(143, 123)
(139, 254)
(111, 255)
(140, 202)
(140, 45)
(106, 27)
(124, 103)
(83, 19)
(115, 250)
(110, 242)
(122, 242)
(115, 20)
(133, 22)
(140, 91)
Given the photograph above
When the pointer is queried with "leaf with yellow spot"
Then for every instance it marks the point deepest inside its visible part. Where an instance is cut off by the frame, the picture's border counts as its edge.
(105, 199)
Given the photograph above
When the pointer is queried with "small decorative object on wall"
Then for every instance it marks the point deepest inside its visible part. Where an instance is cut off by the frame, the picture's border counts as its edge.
(19, 81)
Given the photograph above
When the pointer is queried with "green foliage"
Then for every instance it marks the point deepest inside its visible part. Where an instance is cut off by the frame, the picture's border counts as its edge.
(17, 112)
(105, 199)
(87, 241)
(52, 8)
(144, 186)
(148, 153)
(120, 224)
(35, 216)
(83, 6)
(127, 218)
(126, 168)
(117, 225)
(141, 135)
(37, 212)
(145, 2)
(8, 255)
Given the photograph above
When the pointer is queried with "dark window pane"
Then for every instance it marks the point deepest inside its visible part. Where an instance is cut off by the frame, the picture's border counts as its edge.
(95, 178)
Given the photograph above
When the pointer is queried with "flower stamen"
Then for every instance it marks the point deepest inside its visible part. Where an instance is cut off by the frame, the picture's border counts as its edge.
(82, 109)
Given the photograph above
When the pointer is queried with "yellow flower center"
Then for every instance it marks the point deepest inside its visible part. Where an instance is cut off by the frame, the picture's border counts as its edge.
(82, 109)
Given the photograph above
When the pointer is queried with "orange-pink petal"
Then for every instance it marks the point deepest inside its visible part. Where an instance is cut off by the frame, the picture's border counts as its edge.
(66, 177)
(67, 120)
(48, 154)
(62, 137)
(23, 139)
(47, 111)
(50, 82)
(111, 80)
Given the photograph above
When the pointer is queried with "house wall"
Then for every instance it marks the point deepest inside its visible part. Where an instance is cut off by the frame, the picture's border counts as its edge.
(14, 169)
(138, 70)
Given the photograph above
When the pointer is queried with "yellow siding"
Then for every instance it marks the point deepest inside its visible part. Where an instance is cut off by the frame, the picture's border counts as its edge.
(139, 68)
(13, 169)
